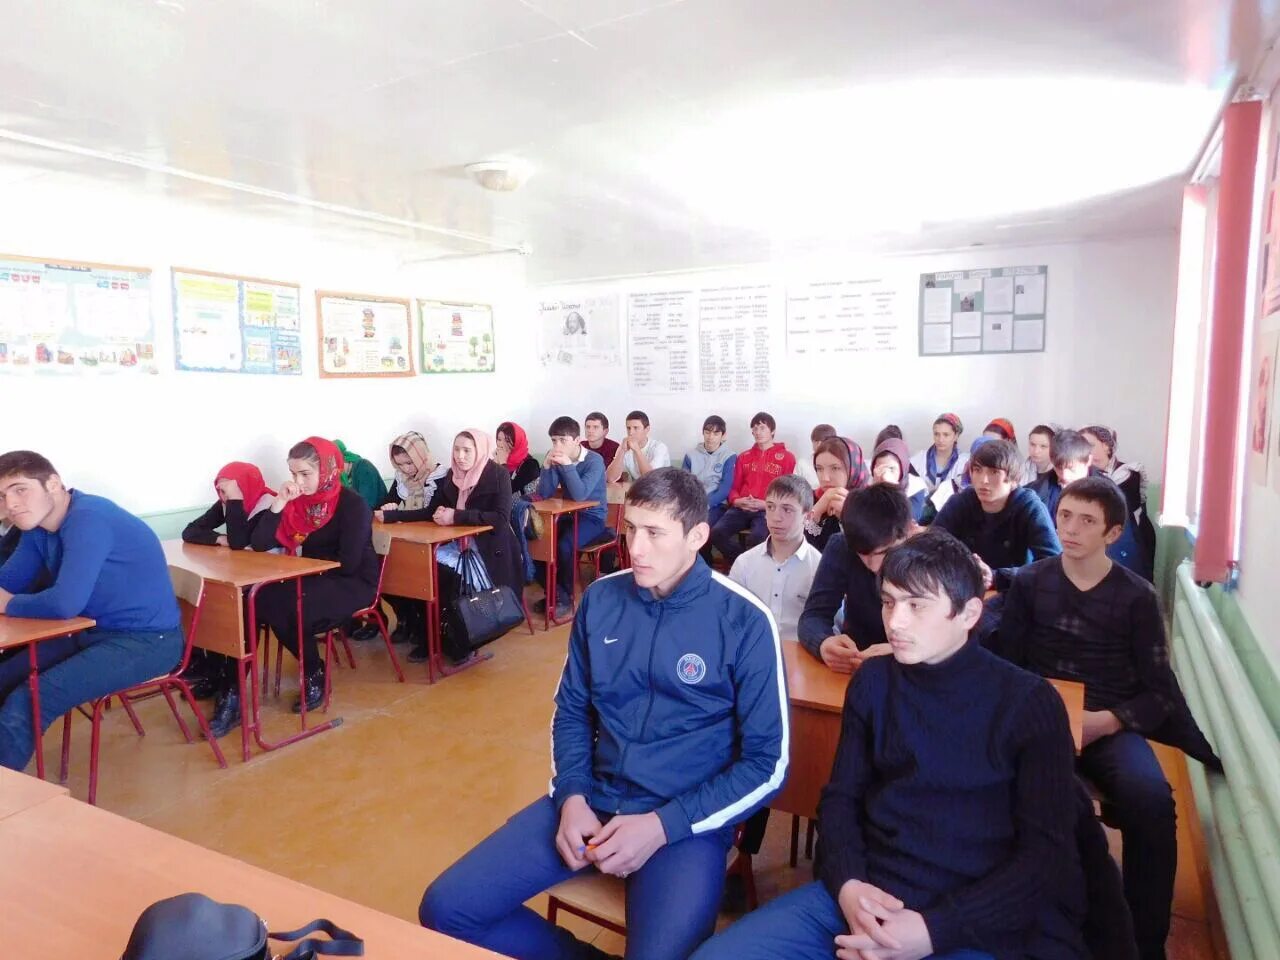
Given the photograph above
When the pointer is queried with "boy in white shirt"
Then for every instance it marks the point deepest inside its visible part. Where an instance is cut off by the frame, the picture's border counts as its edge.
(780, 570)
(640, 453)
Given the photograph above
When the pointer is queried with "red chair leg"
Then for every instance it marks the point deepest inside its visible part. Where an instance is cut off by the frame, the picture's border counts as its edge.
(386, 638)
(95, 743)
(346, 645)
(328, 669)
(66, 748)
(200, 718)
(128, 708)
(279, 663)
(173, 708)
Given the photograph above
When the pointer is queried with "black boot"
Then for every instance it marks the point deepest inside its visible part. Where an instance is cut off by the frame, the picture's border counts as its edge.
(202, 687)
(365, 631)
(313, 690)
(226, 712)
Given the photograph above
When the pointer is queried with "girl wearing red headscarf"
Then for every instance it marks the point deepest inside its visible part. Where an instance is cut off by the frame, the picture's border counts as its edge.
(242, 496)
(512, 449)
(840, 467)
(314, 515)
(477, 491)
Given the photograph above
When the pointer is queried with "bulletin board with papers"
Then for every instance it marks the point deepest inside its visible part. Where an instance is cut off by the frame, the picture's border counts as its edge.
(364, 336)
(229, 324)
(995, 310)
(456, 337)
(70, 317)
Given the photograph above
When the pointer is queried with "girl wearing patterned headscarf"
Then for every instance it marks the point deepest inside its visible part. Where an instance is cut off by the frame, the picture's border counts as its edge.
(841, 467)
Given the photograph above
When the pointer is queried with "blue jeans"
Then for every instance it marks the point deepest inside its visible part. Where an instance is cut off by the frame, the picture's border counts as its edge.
(75, 670)
(724, 535)
(1126, 772)
(671, 901)
(801, 925)
(588, 529)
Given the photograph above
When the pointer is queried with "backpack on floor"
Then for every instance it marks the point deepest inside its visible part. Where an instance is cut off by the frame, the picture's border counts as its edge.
(193, 927)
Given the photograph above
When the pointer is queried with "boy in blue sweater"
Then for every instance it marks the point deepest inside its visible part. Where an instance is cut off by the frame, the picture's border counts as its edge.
(712, 463)
(948, 827)
(670, 727)
(578, 471)
(1006, 526)
(95, 561)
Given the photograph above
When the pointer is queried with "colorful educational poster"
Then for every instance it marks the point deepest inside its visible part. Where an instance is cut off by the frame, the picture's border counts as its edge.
(660, 334)
(364, 336)
(576, 330)
(66, 317)
(997, 310)
(840, 319)
(1262, 412)
(228, 324)
(456, 337)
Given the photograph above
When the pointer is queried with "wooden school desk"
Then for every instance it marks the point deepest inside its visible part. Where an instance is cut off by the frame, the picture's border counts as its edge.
(544, 548)
(19, 792)
(817, 700)
(227, 574)
(412, 572)
(74, 878)
(22, 631)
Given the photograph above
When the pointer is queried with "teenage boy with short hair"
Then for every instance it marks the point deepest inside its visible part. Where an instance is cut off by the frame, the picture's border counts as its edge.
(712, 463)
(656, 806)
(755, 469)
(780, 570)
(1069, 454)
(875, 519)
(597, 427)
(640, 453)
(91, 559)
(1006, 526)
(1080, 616)
(570, 466)
(1039, 453)
(943, 726)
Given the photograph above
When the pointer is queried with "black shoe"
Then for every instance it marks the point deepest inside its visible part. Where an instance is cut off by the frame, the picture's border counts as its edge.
(226, 713)
(368, 631)
(202, 687)
(418, 654)
(313, 687)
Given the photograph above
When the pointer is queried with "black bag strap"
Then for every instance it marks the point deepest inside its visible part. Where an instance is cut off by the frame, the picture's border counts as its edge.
(343, 943)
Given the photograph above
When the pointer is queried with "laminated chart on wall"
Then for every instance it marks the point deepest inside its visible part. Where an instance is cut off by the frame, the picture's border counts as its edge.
(456, 337)
(734, 338)
(579, 330)
(994, 310)
(660, 340)
(228, 324)
(67, 317)
(364, 336)
(843, 318)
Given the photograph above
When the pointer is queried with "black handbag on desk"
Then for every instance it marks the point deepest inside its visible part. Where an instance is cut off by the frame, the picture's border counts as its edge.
(190, 926)
(480, 612)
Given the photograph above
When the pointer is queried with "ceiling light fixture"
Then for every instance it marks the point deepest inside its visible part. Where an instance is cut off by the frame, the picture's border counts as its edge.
(502, 176)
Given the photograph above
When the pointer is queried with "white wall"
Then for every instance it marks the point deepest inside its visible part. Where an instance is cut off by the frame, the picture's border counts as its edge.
(154, 443)
(1110, 334)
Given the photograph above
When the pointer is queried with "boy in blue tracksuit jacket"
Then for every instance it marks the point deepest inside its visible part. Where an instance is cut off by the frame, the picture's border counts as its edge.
(670, 728)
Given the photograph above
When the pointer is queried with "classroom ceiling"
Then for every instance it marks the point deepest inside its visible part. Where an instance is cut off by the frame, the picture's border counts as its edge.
(663, 134)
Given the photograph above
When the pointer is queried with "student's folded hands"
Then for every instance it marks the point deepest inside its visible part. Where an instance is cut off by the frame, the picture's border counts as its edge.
(880, 926)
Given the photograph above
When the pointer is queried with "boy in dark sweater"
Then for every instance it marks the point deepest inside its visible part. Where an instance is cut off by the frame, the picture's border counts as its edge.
(99, 562)
(874, 519)
(1069, 454)
(580, 472)
(948, 827)
(1085, 618)
(1005, 525)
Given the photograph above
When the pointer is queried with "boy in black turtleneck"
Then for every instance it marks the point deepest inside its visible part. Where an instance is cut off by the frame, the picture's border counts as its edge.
(948, 827)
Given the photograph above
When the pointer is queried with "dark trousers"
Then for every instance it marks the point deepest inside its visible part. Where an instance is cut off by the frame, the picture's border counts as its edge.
(589, 528)
(325, 604)
(671, 901)
(74, 670)
(724, 535)
(1124, 769)
(411, 618)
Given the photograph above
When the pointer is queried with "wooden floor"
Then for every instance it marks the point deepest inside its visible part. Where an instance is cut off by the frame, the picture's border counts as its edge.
(375, 809)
